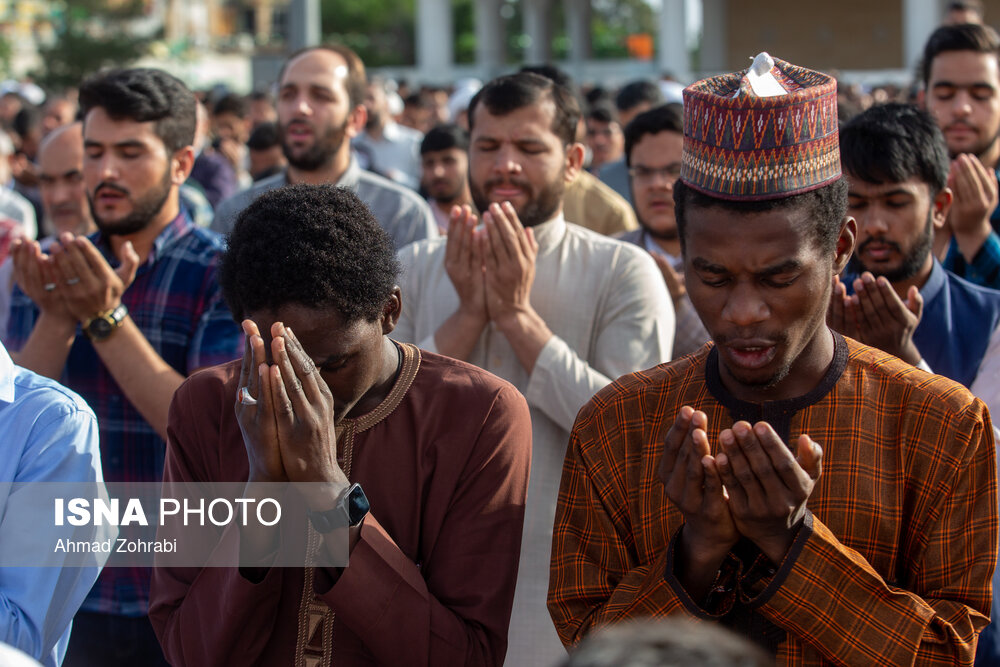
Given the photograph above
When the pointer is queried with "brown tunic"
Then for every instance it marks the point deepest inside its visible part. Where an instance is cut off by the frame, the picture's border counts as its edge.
(444, 462)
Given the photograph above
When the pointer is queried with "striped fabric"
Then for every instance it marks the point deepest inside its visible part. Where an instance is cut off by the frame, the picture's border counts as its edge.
(738, 146)
(893, 564)
(176, 302)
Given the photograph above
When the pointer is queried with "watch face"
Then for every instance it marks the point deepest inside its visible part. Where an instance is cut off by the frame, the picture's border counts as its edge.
(100, 328)
(357, 505)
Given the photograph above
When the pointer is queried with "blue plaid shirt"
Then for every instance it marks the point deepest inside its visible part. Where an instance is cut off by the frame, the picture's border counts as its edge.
(177, 303)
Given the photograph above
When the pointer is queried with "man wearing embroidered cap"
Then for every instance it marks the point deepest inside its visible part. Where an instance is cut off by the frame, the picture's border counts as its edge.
(826, 499)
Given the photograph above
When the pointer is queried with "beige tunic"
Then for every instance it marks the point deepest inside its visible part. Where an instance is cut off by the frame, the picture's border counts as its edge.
(610, 314)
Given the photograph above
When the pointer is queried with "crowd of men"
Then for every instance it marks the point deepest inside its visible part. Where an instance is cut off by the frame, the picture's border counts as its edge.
(561, 358)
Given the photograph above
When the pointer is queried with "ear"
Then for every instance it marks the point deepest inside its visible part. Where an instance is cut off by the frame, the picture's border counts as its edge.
(182, 163)
(921, 98)
(356, 121)
(391, 311)
(940, 206)
(845, 244)
(574, 161)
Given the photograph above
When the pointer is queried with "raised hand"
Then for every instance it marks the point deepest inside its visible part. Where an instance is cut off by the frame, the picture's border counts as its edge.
(463, 263)
(768, 487)
(303, 411)
(89, 285)
(37, 276)
(509, 251)
(884, 320)
(841, 316)
(256, 420)
(975, 189)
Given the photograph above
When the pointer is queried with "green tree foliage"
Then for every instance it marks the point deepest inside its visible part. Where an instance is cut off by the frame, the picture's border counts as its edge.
(380, 31)
(90, 35)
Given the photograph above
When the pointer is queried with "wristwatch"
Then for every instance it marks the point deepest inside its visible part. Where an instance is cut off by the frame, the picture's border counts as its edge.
(352, 507)
(101, 326)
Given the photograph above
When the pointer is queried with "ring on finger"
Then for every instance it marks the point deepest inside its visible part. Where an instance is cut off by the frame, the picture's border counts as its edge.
(245, 397)
(72, 281)
(49, 287)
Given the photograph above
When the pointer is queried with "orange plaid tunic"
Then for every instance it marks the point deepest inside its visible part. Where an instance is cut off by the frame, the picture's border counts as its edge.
(894, 561)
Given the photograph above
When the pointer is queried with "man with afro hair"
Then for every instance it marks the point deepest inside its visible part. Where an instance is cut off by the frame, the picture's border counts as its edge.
(324, 395)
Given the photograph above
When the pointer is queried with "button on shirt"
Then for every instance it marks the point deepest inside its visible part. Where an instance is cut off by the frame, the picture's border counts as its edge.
(176, 302)
(48, 435)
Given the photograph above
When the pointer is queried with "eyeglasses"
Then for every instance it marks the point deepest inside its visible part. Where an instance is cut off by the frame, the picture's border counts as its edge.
(671, 172)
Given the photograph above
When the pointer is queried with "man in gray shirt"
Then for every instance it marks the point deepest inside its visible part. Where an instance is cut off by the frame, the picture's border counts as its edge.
(320, 108)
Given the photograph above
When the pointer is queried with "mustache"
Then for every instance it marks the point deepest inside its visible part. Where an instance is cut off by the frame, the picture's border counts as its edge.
(867, 242)
(110, 186)
(516, 182)
(959, 123)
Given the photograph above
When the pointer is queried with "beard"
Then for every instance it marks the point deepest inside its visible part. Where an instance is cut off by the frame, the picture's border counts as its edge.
(144, 209)
(539, 208)
(912, 260)
(320, 154)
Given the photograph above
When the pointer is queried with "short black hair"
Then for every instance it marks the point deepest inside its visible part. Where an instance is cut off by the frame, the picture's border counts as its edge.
(560, 76)
(231, 103)
(507, 94)
(264, 136)
(664, 118)
(317, 246)
(826, 207)
(602, 112)
(891, 143)
(27, 119)
(965, 37)
(144, 95)
(445, 136)
(634, 93)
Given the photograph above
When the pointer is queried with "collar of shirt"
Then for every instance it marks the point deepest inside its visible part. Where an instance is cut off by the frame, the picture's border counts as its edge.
(650, 244)
(550, 233)
(6, 376)
(178, 227)
(935, 282)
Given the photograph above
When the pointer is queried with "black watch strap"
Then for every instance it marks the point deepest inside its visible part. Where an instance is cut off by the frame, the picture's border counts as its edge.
(352, 507)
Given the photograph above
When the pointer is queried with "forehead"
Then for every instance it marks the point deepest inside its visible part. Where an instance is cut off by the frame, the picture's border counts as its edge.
(964, 67)
(322, 331)
(317, 67)
(663, 147)
(749, 241)
(453, 152)
(99, 127)
(534, 121)
(61, 153)
(858, 187)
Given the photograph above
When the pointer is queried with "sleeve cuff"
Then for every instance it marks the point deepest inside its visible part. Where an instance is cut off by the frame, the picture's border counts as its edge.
(762, 579)
(722, 593)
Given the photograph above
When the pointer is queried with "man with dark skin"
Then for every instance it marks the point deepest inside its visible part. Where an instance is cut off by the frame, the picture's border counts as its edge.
(324, 398)
(821, 497)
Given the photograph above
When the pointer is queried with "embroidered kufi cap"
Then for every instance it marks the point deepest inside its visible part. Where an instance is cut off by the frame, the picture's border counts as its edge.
(767, 132)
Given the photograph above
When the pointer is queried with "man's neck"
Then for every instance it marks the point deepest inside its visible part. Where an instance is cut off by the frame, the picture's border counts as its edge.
(991, 156)
(329, 173)
(142, 241)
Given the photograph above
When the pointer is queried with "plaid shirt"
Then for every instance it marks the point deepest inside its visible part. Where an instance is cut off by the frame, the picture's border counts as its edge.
(176, 302)
(892, 565)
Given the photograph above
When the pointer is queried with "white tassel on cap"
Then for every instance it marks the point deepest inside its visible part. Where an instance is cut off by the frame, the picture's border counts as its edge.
(762, 82)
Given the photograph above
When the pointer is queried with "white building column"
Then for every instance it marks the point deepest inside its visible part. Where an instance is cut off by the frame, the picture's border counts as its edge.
(435, 41)
(538, 29)
(672, 54)
(714, 36)
(491, 52)
(920, 18)
(578, 14)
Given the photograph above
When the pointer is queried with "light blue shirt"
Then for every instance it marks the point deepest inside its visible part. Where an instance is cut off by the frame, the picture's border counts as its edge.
(47, 434)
